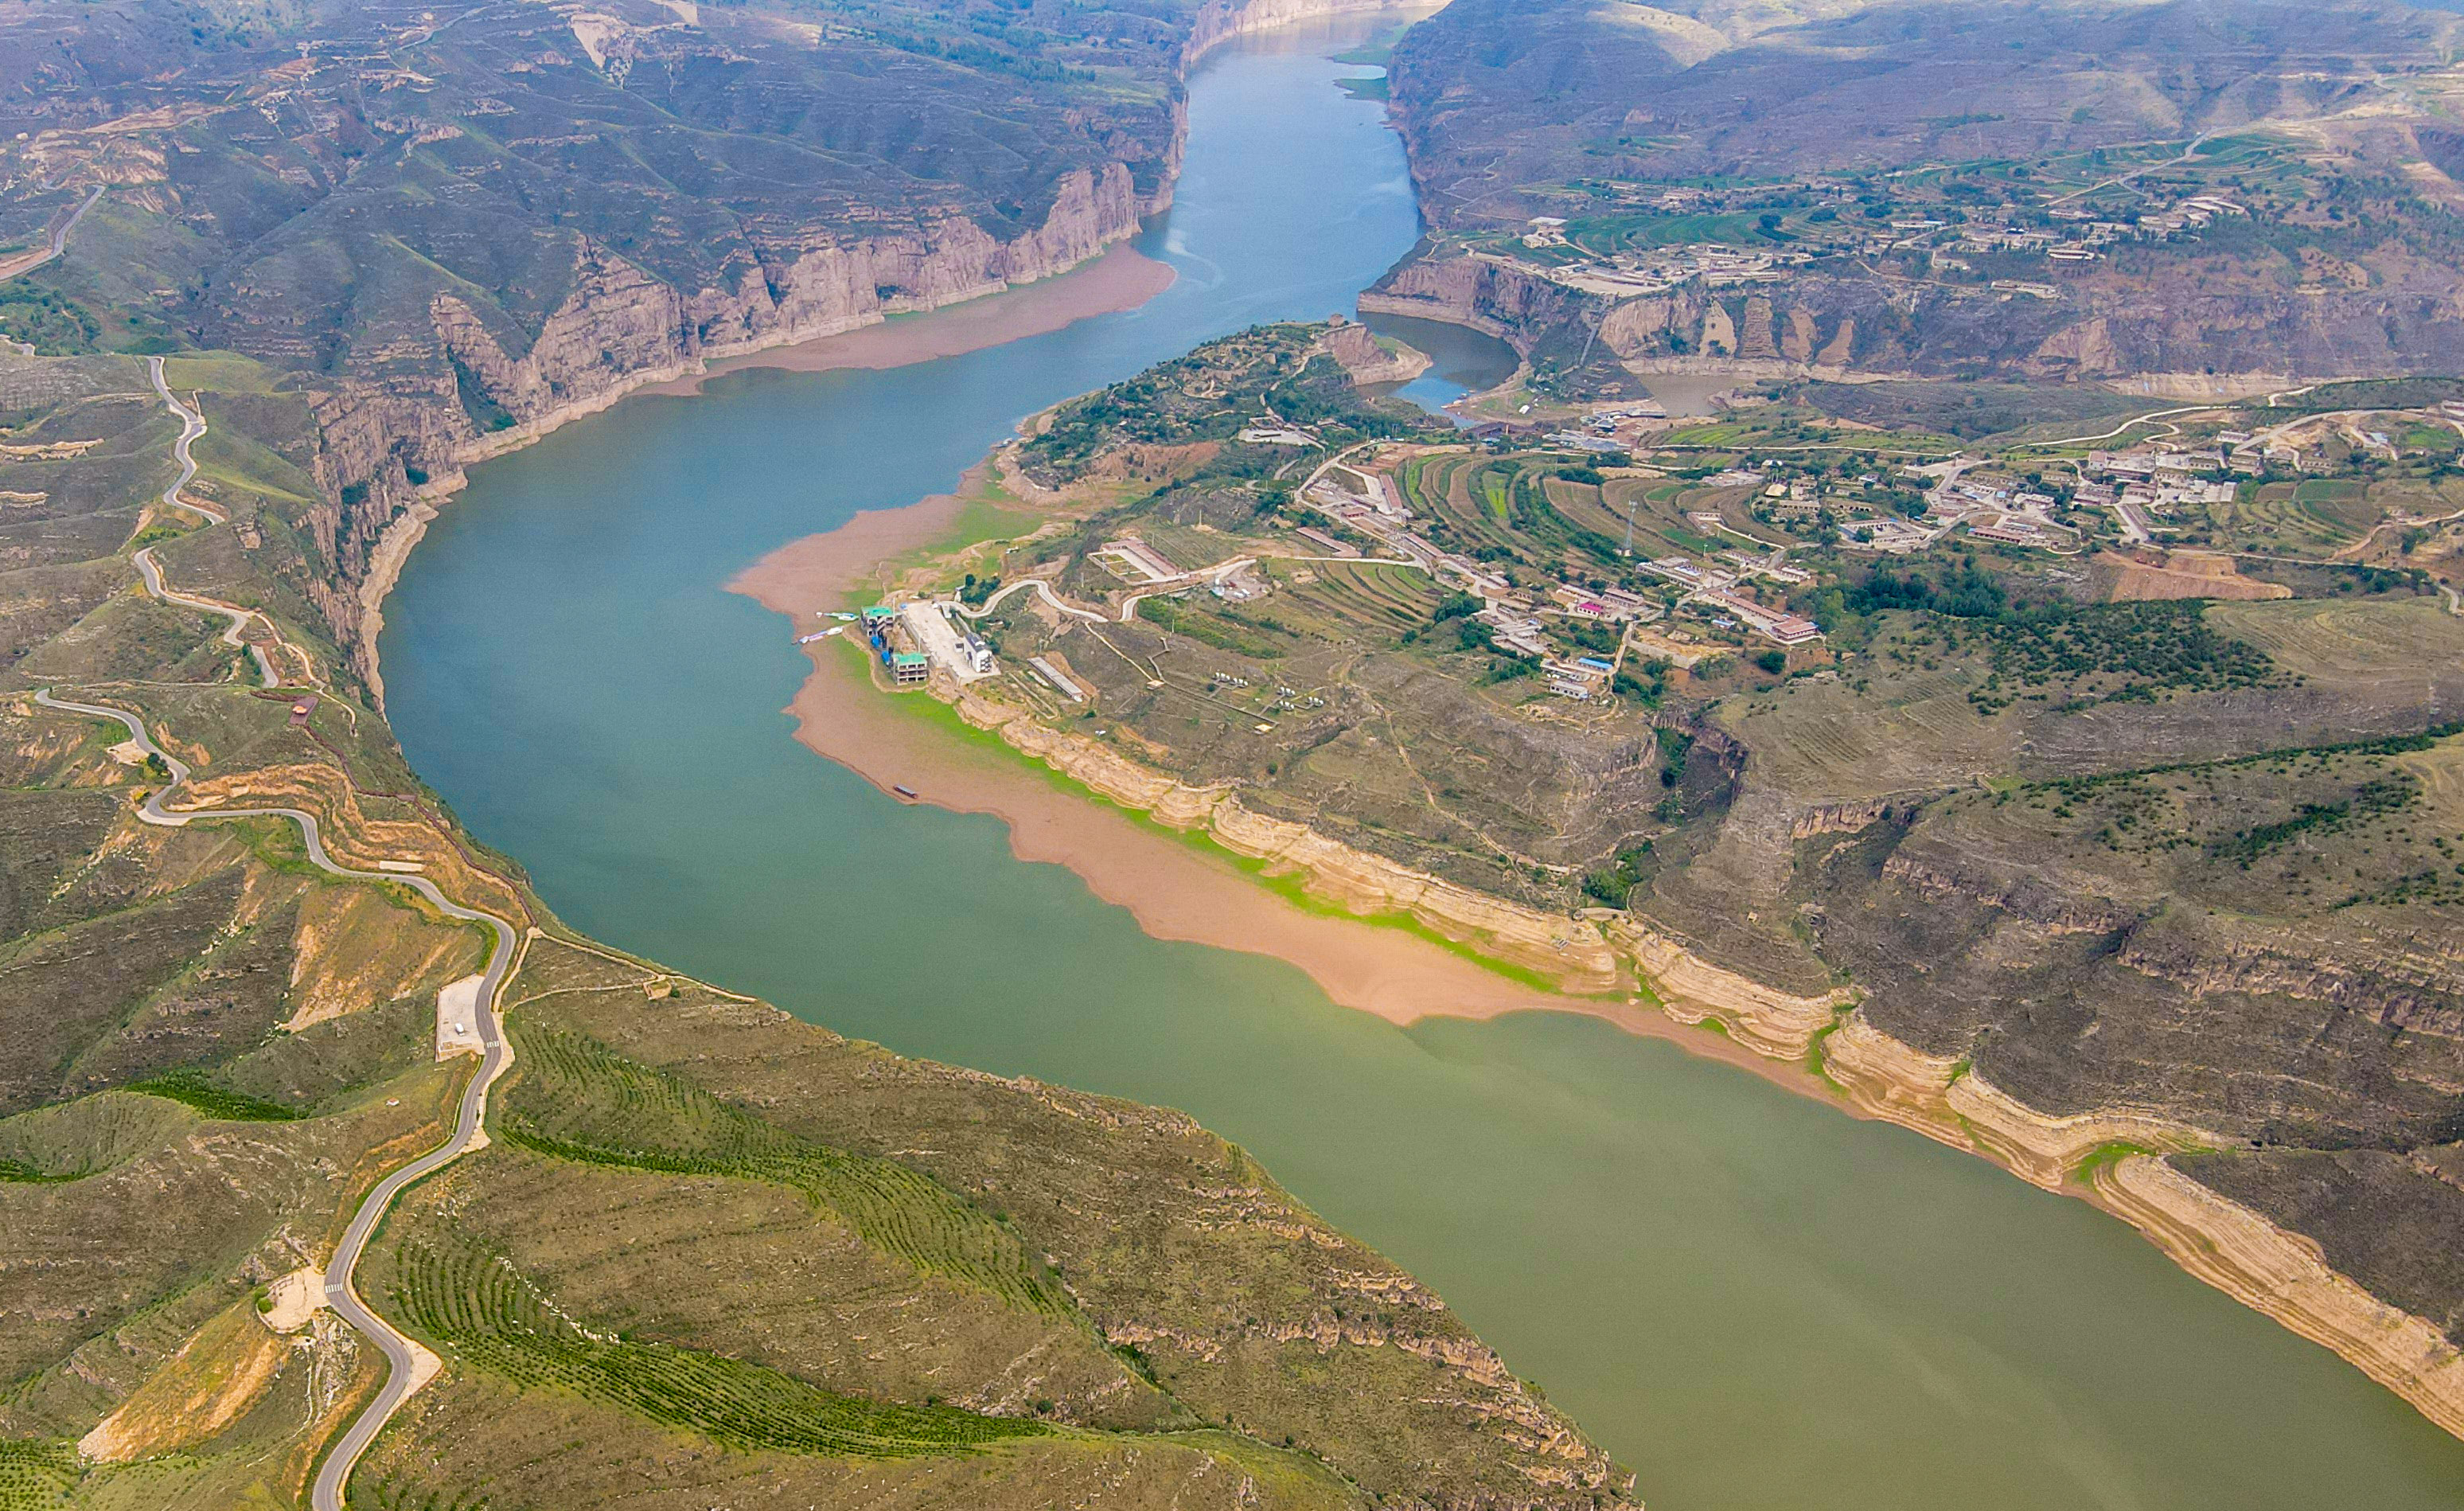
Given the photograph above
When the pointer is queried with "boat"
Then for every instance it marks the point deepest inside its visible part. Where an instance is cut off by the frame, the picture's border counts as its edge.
(907, 792)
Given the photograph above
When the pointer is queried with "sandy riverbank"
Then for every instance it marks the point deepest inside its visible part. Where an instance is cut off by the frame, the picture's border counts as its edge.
(1177, 889)
(1184, 891)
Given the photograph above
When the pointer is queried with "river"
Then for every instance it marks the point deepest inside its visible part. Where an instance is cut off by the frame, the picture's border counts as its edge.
(1751, 1299)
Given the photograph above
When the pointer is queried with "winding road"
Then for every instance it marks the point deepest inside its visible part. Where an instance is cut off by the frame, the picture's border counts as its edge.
(403, 1357)
(238, 617)
(193, 425)
(409, 1366)
(59, 240)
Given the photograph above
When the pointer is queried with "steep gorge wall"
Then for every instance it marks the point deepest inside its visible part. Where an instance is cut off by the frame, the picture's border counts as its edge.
(393, 447)
(1828, 325)
(619, 329)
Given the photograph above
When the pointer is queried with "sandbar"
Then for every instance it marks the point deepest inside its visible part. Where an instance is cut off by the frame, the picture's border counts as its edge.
(1121, 278)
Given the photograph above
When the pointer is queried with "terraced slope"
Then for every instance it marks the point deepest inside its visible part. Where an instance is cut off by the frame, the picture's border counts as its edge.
(709, 1251)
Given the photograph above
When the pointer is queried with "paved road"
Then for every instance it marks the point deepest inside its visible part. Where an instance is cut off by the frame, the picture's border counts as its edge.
(340, 1293)
(238, 617)
(1041, 590)
(59, 240)
(191, 426)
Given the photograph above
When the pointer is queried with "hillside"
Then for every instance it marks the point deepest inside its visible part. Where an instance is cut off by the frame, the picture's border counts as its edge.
(708, 1250)
(2044, 191)
(2092, 805)
(439, 238)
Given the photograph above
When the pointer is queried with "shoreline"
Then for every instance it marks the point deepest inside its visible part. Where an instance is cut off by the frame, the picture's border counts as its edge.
(1175, 880)
(1115, 270)
(1822, 1049)
(1115, 280)
(1172, 854)
(1118, 279)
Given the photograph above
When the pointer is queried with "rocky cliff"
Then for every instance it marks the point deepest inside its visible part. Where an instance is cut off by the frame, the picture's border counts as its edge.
(620, 328)
(395, 442)
(2101, 326)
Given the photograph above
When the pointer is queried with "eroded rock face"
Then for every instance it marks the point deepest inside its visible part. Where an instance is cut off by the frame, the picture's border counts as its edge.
(619, 327)
(2179, 320)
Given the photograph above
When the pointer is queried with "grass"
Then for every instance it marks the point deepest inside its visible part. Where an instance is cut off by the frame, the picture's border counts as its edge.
(481, 1306)
(2101, 1159)
(1817, 1055)
(220, 372)
(575, 1100)
(35, 1473)
(190, 1088)
(17, 1172)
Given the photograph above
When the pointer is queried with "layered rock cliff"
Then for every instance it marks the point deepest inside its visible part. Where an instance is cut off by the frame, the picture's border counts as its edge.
(469, 387)
(620, 328)
(1820, 324)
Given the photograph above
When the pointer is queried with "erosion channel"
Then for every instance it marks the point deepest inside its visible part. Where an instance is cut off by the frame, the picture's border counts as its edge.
(1749, 1298)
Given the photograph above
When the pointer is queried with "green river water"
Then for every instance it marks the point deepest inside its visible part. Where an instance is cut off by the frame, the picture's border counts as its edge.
(1752, 1299)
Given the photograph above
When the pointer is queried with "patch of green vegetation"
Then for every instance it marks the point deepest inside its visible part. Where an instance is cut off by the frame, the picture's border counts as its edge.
(1219, 630)
(17, 1172)
(2386, 794)
(1212, 392)
(192, 1088)
(485, 413)
(2392, 745)
(1969, 411)
(166, 528)
(573, 1099)
(480, 1307)
(1614, 883)
(1817, 1053)
(2368, 393)
(36, 1473)
(53, 326)
(2101, 1159)
(2103, 653)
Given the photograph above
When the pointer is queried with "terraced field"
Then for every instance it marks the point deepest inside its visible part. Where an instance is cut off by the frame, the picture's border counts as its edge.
(477, 1304)
(1357, 600)
(572, 1099)
(1509, 509)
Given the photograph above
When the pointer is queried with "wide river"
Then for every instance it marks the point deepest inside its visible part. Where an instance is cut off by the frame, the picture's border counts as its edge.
(1750, 1298)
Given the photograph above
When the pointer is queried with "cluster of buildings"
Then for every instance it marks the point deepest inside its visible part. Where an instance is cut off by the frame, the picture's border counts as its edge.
(914, 637)
(2079, 235)
(1627, 274)
(2144, 481)
(1371, 504)
(1994, 506)
(1715, 590)
(1516, 621)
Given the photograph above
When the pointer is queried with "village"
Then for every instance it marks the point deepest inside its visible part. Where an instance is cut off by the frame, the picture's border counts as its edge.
(1943, 223)
(1763, 529)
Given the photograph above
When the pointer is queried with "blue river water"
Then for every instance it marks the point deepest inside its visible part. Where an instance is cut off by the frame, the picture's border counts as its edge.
(1753, 1301)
